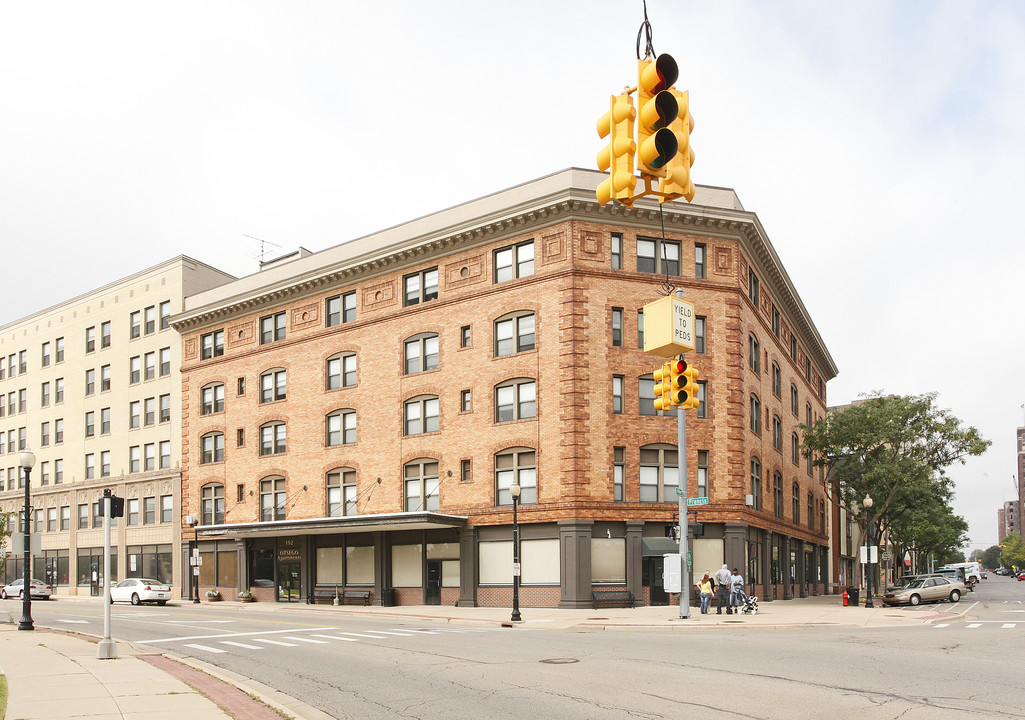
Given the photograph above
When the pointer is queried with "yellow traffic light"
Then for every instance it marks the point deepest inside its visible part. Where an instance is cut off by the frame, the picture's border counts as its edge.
(677, 379)
(618, 156)
(662, 384)
(691, 389)
(657, 108)
(677, 182)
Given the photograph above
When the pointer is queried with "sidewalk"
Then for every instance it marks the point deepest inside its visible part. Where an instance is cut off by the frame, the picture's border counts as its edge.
(53, 675)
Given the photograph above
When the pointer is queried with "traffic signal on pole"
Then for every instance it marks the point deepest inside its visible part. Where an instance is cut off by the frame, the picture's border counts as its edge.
(657, 108)
(117, 506)
(663, 379)
(618, 156)
(678, 380)
(677, 182)
(690, 398)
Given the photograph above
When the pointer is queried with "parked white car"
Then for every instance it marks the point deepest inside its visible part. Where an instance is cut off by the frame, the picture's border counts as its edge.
(140, 590)
(38, 589)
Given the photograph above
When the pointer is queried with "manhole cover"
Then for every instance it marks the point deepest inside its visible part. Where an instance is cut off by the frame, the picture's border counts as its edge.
(560, 661)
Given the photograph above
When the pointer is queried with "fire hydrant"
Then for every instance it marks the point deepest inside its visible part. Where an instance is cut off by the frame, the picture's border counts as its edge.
(845, 598)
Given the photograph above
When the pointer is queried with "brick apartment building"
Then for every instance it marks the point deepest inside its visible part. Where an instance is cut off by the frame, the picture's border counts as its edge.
(355, 417)
(92, 387)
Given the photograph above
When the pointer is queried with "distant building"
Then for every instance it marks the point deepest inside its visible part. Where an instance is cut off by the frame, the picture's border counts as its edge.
(356, 417)
(92, 387)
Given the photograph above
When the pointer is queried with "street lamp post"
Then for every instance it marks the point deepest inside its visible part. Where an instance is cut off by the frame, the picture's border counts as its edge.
(27, 460)
(514, 490)
(867, 504)
(193, 561)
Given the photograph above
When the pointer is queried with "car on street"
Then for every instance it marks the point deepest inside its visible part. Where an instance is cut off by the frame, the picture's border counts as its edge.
(1021, 576)
(38, 589)
(929, 589)
(140, 590)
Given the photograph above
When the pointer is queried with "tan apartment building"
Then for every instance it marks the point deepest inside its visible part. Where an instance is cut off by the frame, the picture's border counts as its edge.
(355, 418)
(92, 386)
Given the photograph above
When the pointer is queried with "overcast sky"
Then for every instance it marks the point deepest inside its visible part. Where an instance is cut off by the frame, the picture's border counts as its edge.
(880, 144)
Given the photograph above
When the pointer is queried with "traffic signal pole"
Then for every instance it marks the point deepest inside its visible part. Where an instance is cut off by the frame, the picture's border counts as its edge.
(681, 445)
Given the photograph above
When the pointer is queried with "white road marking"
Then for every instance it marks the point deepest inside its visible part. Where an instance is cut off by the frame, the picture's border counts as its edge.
(77, 622)
(305, 640)
(226, 635)
(372, 637)
(425, 632)
(386, 632)
(274, 642)
(199, 622)
(973, 626)
(943, 625)
(241, 645)
(207, 648)
(335, 637)
(1005, 626)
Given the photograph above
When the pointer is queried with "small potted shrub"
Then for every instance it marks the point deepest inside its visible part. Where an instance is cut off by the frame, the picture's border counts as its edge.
(212, 596)
(245, 596)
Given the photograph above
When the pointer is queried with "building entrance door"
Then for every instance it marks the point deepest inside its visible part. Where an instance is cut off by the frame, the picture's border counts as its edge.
(289, 582)
(433, 582)
(651, 575)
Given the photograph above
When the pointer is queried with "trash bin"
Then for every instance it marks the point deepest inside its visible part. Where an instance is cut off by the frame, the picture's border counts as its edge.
(852, 596)
(388, 597)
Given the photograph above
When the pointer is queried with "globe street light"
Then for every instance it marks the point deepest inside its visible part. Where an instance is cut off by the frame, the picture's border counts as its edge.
(26, 460)
(867, 504)
(514, 490)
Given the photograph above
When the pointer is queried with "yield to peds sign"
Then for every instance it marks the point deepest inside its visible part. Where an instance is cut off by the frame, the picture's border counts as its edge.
(668, 327)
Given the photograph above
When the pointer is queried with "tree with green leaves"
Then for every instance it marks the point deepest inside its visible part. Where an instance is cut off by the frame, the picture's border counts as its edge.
(883, 445)
(1013, 554)
(921, 523)
(990, 557)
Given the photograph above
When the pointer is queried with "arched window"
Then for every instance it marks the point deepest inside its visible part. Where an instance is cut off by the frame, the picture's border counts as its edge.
(422, 485)
(777, 380)
(514, 333)
(515, 400)
(341, 428)
(212, 448)
(341, 492)
(212, 397)
(754, 358)
(421, 415)
(793, 400)
(272, 498)
(777, 491)
(213, 504)
(795, 449)
(797, 503)
(273, 438)
(756, 484)
(420, 353)
(273, 385)
(777, 433)
(659, 473)
(517, 465)
(340, 371)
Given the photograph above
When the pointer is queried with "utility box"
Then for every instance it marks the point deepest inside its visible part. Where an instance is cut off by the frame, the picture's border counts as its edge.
(672, 573)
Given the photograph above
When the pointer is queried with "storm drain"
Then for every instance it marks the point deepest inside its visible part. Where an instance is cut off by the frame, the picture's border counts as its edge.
(560, 661)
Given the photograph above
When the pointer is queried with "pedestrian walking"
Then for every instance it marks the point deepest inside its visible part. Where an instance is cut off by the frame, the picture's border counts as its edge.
(705, 591)
(737, 594)
(722, 589)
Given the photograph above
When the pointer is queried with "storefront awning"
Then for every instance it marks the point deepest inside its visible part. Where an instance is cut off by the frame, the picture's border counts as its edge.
(331, 526)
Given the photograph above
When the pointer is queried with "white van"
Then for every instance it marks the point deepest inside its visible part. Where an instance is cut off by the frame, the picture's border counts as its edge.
(972, 571)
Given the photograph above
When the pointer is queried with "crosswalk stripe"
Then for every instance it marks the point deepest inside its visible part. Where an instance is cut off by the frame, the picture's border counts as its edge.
(1007, 625)
(206, 648)
(305, 640)
(372, 637)
(973, 626)
(402, 634)
(336, 637)
(425, 632)
(274, 642)
(941, 625)
(241, 645)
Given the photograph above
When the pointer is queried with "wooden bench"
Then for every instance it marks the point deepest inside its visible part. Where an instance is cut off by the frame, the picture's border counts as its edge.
(363, 596)
(612, 598)
(344, 596)
(323, 594)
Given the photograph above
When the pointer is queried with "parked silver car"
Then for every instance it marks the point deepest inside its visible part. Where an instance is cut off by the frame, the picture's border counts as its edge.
(929, 589)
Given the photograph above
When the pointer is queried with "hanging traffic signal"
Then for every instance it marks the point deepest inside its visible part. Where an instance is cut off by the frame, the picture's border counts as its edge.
(657, 108)
(678, 380)
(618, 156)
(677, 182)
(662, 387)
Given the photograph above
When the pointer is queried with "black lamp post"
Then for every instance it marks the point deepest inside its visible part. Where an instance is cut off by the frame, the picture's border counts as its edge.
(26, 460)
(514, 490)
(193, 561)
(867, 504)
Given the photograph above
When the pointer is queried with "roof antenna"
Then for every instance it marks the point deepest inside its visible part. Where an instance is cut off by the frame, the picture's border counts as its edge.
(262, 258)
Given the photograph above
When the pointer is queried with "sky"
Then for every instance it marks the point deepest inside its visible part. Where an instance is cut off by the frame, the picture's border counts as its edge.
(879, 143)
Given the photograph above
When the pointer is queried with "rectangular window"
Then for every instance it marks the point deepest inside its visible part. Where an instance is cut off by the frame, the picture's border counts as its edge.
(44, 435)
(105, 334)
(272, 328)
(702, 398)
(241, 390)
(640, 328)
(658, 256)
(165, 454)
(58, 431)
(165, 362)
(151, 320)
(134, 458)
(420, 287)
(752, 286)
(44, 474)
(150, 365)
(22, 361)
(105, 463)
(617, 394)
(45, 356)
(699, 261)
(132, 511)
(165, 314)
(211, 345)
(59, 350)
(90, 424)
(90, 339)
(166, 508)
(104, 378)
(465, 401)
(134, 415)
(617, 251)
(702, 473)
(775, 321)
(65, 518)
(149, 511)
(754, 353)
(340, 308)
(135, 370)
(135, 324)
(90, 382)
(58, 471)
(514, 262)
(464, 336)
(618, 472)
(617, 327)
(465, 470)
(149, 456)
(51, 519)
(165, 408)
(240, 437)
(83, 516)
(90, 466)
(44, 395)
(149, 412)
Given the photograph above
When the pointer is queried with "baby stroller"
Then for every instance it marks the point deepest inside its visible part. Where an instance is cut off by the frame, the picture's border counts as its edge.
(749, 605)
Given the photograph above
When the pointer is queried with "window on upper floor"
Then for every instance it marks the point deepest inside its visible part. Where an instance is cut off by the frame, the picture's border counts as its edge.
(754, 353)
(777, 494)
(421, 415)
(420, 353)
(272, 328)
(756, 414)
(617, 327)
(340, 428)
(616, 250)
(516, 466)
(752, 286)
(340, 308)
(777, 433)
(775, 321)
(796, 493)
(420, 287)
(658, 256)
(700, 342)
(515, 261)
(756, 484)
(273, 438)
(272, 499)
(659, 473)
(422, 485)
(211, 345)
(777, 380)
(273, 385)
(341, 492)
(514, 333)
(211, 448)
(212, 399)
(340, 371)
(699, 261)
(516, 400)
(213, 504)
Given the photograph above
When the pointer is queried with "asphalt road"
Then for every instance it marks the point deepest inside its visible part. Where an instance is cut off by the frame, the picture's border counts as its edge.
(375, 667)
